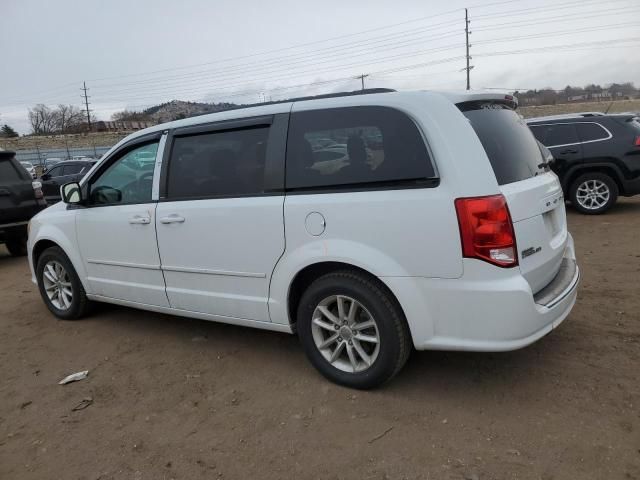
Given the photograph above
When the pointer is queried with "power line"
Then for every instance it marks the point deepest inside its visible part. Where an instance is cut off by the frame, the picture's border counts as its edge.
(553, 7)
(280, 76)
(215, 62)
(554, 19)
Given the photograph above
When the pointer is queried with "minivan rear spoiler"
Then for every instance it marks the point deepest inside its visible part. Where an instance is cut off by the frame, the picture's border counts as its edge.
(480, 98)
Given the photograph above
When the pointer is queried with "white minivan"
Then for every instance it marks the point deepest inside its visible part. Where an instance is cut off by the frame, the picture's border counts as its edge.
(440, 226)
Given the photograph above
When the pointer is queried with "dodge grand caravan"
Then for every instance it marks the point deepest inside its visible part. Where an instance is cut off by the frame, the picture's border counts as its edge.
(439, 227)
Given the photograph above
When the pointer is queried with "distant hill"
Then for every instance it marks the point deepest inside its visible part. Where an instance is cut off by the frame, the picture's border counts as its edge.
(177, 109)
(173, 110)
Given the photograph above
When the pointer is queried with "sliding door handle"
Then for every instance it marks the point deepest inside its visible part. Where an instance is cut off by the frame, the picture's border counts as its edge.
(173, 218)
(139, 220)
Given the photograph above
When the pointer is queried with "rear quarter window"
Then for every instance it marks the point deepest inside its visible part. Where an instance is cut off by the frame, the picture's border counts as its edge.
(9, 173)
(511, 147)
(589, 132)
(355, 147)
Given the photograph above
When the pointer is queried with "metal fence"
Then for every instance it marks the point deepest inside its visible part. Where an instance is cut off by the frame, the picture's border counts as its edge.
(37, 156)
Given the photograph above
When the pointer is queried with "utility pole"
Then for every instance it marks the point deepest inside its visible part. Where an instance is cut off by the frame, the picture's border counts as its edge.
(86, 103)
(362, 77)
(466, 33)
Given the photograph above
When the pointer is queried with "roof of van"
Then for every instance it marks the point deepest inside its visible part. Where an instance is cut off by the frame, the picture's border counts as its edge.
(272, 108)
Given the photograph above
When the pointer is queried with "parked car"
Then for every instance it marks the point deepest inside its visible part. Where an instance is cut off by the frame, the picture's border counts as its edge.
(61, 173)
(28, 166)
(457, 240)
(20, 199)
(597, 158)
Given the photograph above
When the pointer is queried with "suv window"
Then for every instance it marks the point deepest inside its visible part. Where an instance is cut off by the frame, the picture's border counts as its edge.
(55, 172)
(8, 172)
(370, 145)
(591, 131)
(124, 181)
(554, 135)
(512, 149)
(222, 163)
(72, 169)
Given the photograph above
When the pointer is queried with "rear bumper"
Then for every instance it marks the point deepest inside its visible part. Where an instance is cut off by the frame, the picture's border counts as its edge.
(631, 187)
(488, 309)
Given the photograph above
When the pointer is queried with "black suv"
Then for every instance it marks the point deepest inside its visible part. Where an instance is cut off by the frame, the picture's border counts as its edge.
(597, 157)
(20, 199)
(61, 173)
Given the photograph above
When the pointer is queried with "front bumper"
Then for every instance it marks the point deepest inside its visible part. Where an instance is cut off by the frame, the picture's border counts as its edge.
(488, 309)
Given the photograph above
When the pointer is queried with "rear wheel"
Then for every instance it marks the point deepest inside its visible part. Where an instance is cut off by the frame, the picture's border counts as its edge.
(17, 245)
(59, 285)
(352, 330)
(593, 193)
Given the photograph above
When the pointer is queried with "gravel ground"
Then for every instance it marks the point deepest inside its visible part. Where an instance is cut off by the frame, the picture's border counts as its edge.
(187, 399)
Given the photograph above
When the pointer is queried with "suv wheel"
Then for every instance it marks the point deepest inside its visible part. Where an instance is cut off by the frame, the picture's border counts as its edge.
(352, 330)
(60, 286)
(17, 245)
(593, 193)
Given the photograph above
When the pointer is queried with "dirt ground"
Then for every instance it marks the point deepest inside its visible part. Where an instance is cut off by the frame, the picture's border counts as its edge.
(187, 399)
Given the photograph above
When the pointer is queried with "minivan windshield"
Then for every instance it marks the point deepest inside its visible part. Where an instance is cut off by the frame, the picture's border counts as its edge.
(511, 147)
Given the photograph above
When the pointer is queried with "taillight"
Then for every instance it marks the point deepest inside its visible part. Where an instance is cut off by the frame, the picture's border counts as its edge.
(486, 230)
(637, 142)
(37, 189)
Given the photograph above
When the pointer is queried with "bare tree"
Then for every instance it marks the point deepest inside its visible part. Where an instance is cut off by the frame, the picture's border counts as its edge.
(67, 117)
(43, 119)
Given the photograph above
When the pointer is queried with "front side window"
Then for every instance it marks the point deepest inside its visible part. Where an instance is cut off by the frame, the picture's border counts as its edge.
(71, 169)
(126, 180)
(589, 132)
(218, 164)
(55, 172)
(351, 146)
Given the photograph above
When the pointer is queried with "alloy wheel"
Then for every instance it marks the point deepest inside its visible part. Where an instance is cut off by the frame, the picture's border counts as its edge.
(345, 333)
(593, 194)
(57, 285)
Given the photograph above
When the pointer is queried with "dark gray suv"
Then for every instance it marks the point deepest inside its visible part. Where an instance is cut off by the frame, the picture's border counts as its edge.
(597, 157)
(20, 199)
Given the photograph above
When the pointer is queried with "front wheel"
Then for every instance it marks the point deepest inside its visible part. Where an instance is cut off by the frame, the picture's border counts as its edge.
(60, 286)
(352, 330)
(593, 193)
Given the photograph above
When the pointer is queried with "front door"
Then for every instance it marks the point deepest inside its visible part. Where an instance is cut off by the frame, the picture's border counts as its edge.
(220, 233)
(116, 230)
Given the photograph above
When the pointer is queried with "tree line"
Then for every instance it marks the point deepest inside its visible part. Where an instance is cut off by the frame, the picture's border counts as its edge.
(591, 92)
(45, 120)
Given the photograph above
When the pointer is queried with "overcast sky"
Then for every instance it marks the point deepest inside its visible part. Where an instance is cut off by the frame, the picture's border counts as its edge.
(135, 54)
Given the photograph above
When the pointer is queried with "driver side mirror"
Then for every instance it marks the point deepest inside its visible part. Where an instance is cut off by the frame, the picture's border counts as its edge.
(45, 176)
(71, 193)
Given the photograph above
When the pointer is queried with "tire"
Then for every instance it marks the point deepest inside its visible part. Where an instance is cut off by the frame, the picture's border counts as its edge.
(372, 302)
(17, 246)
(78, 306)
(593, 183)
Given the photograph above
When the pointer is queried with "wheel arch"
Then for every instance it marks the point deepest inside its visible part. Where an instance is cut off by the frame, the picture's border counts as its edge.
(307, 275)
(609, 169)
(46, 242)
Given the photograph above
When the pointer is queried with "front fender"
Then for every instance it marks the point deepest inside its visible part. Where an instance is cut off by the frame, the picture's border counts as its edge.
(59, 228)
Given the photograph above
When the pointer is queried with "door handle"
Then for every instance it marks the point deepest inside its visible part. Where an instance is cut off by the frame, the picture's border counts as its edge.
(173, 218)
(139, 220)
(571, 150)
